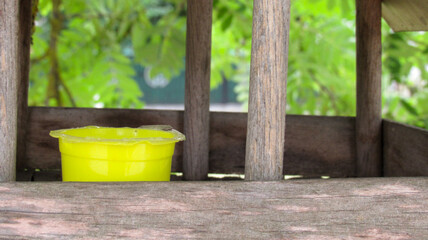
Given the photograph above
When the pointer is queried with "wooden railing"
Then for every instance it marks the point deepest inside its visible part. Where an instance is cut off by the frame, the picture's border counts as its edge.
(367, 208)
(315, 145)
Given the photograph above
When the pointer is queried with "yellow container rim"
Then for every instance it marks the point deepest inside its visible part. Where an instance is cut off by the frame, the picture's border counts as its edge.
(170, 135)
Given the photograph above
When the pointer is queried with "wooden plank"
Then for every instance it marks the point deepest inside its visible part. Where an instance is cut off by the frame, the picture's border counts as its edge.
(369, 99)
(405, 150)
(197, 89)
(24, 38)
(376, 208)
(320, 146)
(9, 82)
(267, 95)
(227, 142)
(406, 15)
(316, 146)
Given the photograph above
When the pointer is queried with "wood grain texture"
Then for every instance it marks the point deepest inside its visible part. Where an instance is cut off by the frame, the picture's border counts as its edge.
(267, 95)
(369, 100)
(24, 39)
(197, 89)
(9, 84)
(316, 146)
(376, 208)
(405, 150)
(406, 15)
(320, 146)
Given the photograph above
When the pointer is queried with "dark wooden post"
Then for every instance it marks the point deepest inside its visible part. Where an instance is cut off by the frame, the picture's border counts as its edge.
(25, 25)
(267, 96)
(369, 100)
(197, 89)
(15, 27)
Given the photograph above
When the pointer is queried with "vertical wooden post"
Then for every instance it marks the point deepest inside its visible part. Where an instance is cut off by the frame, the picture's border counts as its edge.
(25, 25)
(267, 96)
(197, 89)
(14, 54)
(369, 99)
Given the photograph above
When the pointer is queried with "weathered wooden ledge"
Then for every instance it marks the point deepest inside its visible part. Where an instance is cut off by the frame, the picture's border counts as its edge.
(376, 208)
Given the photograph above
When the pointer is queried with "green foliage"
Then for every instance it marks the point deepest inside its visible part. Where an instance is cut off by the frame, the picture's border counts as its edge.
(321, 54)
(321, 68)
(101, 39)
(321, 59)
(405, 77)
(96, 49)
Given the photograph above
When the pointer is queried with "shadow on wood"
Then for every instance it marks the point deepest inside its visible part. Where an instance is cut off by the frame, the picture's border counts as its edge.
(315, 146)
(405, 150)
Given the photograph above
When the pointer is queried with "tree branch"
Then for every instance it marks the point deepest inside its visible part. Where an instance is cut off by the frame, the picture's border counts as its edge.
(54, 73)
(68, 92)
(40, 58)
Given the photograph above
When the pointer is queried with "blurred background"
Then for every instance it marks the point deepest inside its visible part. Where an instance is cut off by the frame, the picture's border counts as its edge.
(130, 54)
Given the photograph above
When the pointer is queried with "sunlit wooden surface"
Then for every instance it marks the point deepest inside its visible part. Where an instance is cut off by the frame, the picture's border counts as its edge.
(376, 208)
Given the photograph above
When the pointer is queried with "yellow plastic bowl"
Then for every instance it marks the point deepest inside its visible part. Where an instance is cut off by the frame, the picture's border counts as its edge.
(95, 154)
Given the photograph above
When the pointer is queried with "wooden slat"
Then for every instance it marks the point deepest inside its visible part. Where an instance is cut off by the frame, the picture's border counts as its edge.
(408, 15)
(14, 51)
(405, 151)
(316, 146)
(376, 208)
(267, 95)
(369, 100)
(197, 87)
(25, 25)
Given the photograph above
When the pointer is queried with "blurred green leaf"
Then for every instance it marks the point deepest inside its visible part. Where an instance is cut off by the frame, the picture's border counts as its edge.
(221, 12)
(226, 22)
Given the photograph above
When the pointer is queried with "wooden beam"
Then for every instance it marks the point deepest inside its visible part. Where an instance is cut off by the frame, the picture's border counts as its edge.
(197, 89)
(406, 15)
(316, 146)
(405, 150)
(375, 208)
(369, 102)
(25, 25)
(267, 95)
(15, 25)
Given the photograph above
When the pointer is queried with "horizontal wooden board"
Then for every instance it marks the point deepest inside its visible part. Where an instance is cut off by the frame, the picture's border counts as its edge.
(319, 146)
(369, 208)
(315, 146)
(410, 15)
(405, 150)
